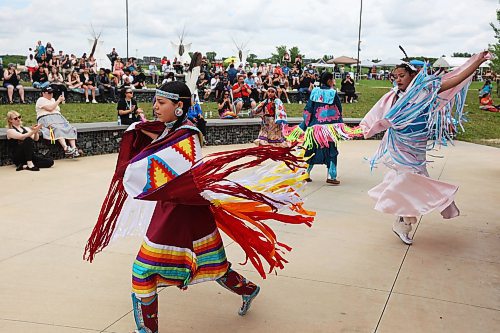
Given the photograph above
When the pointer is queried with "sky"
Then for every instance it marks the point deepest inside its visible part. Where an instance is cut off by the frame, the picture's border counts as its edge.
(317, 27)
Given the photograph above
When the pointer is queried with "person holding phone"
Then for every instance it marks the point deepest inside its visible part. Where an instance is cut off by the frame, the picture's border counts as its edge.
(127, 109)
(20, 140)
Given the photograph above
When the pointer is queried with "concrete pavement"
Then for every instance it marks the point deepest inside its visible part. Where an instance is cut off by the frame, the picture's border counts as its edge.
(348, 273)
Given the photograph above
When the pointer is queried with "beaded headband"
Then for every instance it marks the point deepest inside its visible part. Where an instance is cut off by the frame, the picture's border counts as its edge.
(167, 94)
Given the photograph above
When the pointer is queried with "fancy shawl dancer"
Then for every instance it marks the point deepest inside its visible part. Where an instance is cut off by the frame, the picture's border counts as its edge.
(162, 187)
(323, 128)
(419, 109)
(274, 117)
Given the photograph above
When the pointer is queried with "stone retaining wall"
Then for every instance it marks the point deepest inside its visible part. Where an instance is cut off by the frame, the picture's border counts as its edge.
(141, 95)
(104, 138)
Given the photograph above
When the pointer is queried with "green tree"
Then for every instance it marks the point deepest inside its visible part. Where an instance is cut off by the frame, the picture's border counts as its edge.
(495, 48)
(211, 56)
(327, 57)
(294, 52)
(461, 54)
(251, 58)
(280, 52)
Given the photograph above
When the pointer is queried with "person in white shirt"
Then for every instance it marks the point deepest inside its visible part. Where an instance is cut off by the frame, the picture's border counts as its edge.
(32, 65)
(127, 78)
(213, 85)
(152, 71)
(54, 125)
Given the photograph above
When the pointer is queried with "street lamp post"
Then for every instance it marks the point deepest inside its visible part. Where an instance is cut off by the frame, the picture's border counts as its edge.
(126, 16)
(358, 69)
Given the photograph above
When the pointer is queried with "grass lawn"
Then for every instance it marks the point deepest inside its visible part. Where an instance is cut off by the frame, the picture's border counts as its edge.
(483, 127)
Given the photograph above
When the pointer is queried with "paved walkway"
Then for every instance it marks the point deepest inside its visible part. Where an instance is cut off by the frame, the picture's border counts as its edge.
(348, 273)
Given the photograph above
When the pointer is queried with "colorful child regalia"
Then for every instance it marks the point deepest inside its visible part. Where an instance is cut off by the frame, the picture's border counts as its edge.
(273, 118)
(322, 129)
(415, 121)
(166, 192)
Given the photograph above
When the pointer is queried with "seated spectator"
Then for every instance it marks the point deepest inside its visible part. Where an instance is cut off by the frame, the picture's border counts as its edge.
(225, 107)
(283, 88)
(57, 82)
(286, 73)
(169, 77)
(88, 85)
(348, 88)
(127, 109)
(153, 71)
(305, 86)
(105, 86)
(31, 65)
(131, 65)
(241, 95)
(201, 84)
(250, 81)
(66, 67)
(295, 74)
(254, 68)
(118, 68)
(40, 79)
(73, 81)
(54, 125)
(232, 72)
(167, 67)
(214, 87)
(11, 82)
(486, 89)
(91, 65)
(127, 78)
(195, 115)
(20, 140)
(139, 81)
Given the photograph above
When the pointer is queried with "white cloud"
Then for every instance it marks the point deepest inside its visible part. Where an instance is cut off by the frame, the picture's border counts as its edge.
(317, 27)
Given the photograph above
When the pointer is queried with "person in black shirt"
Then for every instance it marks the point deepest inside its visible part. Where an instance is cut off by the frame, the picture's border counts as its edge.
(89, 81)
(305, 85)
(40, 78)
(104, 85)
(347, 87)
(127, 109)
(139, 79)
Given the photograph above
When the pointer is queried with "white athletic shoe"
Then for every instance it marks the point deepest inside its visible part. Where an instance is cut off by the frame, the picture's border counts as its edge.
(402, 230)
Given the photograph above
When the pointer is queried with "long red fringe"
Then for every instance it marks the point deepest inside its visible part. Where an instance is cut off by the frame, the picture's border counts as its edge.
(132, 143)
(260, 242)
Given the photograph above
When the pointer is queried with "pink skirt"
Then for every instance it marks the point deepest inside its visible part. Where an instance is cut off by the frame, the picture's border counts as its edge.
(412, 194)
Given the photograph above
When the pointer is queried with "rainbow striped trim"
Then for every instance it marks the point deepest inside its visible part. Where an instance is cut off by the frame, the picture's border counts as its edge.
(159, 265)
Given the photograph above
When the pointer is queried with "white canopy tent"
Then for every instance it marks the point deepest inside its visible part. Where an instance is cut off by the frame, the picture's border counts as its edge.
(368, 63)
(319, 64)
(389, 62)
(452, 62)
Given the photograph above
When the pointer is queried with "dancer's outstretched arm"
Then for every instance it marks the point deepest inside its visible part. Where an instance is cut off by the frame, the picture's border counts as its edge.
(455, 80)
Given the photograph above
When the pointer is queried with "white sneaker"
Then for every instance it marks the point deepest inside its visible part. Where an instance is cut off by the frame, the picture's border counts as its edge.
(402, 230)
(69, 151)
(76, 152)
(87, 100)
(94, 101)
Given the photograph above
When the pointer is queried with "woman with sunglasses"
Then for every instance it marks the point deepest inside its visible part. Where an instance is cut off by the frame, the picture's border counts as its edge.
(161, 184)
(416, 116)
(54, 125)
(21, 144)
(225, 107)
(127, 108)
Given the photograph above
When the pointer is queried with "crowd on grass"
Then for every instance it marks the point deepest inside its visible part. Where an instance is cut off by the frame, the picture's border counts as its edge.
(66, 72)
